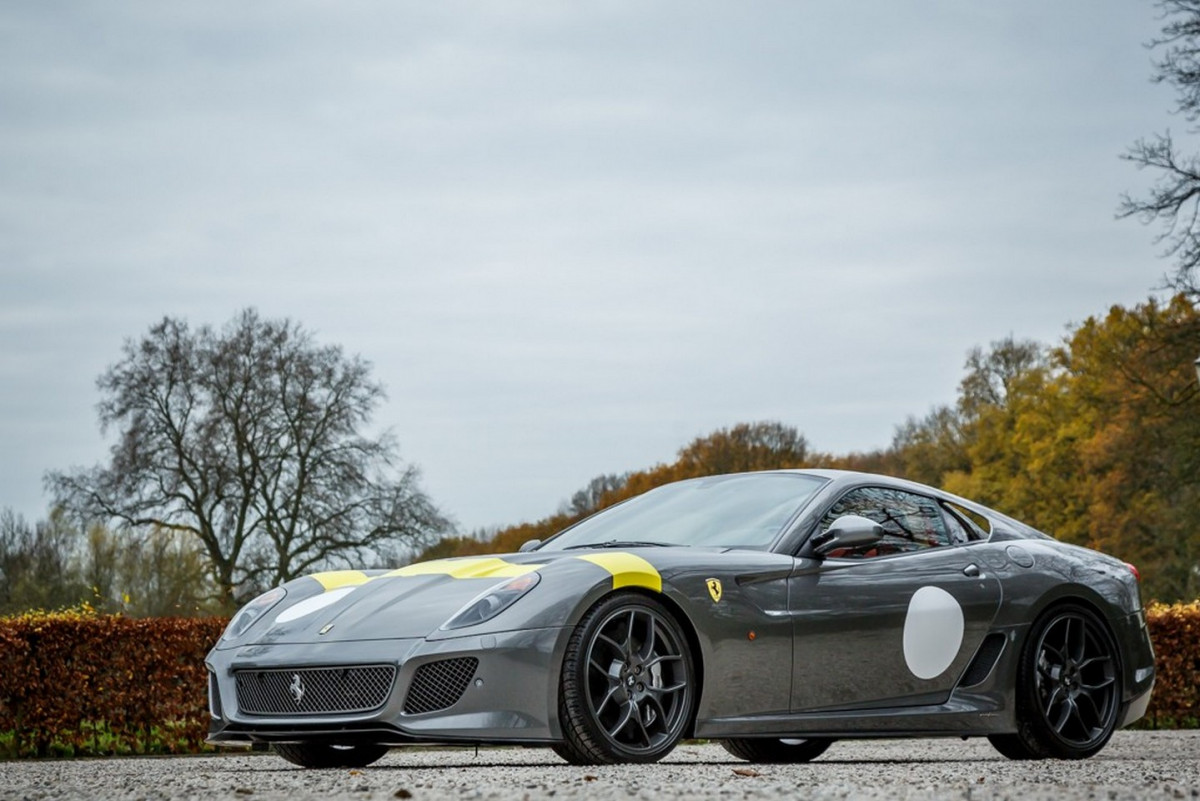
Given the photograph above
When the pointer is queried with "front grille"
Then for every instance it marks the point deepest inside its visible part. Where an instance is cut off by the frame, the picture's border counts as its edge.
(439, 685)
(314, 691)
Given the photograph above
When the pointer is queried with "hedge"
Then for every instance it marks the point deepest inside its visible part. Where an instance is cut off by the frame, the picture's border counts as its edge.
(1175, 632)
(75, 682)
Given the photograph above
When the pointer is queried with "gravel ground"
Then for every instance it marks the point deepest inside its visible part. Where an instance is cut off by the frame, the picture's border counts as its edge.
(1139, 766)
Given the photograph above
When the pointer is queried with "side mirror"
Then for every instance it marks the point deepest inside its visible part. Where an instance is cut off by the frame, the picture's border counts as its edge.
(529, 545)
(848, 531)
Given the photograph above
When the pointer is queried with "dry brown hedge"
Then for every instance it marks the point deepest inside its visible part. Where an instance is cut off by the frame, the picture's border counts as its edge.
(80, 683)
(77, 682)
(1175, 632)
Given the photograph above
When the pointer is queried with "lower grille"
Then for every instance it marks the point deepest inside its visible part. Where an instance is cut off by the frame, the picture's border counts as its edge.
(314, 691)
(439, 685)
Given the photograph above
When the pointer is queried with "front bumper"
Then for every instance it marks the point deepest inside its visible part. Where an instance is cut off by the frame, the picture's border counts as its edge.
(511, 698)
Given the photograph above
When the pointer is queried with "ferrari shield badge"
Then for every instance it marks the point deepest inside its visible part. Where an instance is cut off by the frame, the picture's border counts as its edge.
(714, 589)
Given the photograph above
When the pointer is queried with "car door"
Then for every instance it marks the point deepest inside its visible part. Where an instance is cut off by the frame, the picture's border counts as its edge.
(893, 624)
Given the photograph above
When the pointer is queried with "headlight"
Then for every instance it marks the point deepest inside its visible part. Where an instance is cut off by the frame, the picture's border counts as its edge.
(251, 612)
(492, 602)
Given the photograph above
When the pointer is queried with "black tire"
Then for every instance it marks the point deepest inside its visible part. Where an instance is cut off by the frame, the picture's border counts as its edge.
(768, 750)
(628, 684)
(1068, 688)
(326, 755)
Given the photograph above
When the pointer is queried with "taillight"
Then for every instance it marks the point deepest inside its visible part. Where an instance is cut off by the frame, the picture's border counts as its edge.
(1134, 571)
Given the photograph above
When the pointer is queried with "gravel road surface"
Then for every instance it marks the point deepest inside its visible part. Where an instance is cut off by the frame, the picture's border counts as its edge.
(1139, 766)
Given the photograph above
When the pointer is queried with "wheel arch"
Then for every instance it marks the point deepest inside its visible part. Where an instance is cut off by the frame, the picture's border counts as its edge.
(1077, 595)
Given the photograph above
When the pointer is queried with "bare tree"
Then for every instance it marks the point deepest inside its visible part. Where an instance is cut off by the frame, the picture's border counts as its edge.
(591, 498)
(1174, 200)
(250, 438)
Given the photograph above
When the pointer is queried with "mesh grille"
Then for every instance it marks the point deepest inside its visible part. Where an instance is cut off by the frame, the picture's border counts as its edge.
(438, 685)
(309, 691)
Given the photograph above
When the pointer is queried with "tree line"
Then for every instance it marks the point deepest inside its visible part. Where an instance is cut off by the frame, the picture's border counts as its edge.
(235, 472)
(1095, 440)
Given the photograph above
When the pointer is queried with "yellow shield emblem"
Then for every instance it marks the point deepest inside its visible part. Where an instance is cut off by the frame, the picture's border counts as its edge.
(714, 589)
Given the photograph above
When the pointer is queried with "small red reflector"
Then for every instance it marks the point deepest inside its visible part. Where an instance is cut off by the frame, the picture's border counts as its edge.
(1135, 572)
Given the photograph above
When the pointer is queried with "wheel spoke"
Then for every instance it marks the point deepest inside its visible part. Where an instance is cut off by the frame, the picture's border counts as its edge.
(1102, 659)
(1093, 710)
(1106, 682)
(1056, 697)
(601, 669)
(607, 697)
(662, 712)
(1079, 646)
(624, 721)
(658, 660)
(616, 646)
(637, 715)
(647, 649)
(627, 647)
(1068, 707)
(661, 691)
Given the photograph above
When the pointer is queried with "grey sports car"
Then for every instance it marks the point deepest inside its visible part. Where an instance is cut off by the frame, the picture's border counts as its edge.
(776, 611)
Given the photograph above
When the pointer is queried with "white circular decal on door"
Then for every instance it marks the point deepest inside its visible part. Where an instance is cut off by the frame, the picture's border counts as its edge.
(933, 632)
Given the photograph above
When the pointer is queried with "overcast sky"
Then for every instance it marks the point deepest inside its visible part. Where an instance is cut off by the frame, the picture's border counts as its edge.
(571, 237)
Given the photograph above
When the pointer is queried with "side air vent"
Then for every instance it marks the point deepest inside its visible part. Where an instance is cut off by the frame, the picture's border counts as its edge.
(985, 659)
(439, 685)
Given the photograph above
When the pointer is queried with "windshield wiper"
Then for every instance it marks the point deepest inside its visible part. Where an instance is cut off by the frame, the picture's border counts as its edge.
(619, 544)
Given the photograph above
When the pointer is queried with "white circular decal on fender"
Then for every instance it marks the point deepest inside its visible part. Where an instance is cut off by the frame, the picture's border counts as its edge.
(933, 632)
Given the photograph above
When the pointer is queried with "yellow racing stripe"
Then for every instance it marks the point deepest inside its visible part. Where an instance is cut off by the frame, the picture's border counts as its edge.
(334, 579)
(627, 570)
(482, 567)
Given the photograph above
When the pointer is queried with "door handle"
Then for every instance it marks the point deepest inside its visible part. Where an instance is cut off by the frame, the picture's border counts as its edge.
(971, 570)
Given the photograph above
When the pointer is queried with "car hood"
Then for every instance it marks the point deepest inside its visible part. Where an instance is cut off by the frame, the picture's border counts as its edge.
(415, 601)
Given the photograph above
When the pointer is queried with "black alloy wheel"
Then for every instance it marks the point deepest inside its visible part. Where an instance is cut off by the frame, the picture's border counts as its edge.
(781, 751)
(327, 755)
(628, 683)
(1068, 688)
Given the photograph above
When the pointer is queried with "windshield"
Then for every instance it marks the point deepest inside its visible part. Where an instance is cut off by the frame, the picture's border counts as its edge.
(746, 511)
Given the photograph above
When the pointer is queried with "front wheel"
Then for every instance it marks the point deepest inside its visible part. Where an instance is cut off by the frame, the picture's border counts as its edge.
(627, 685)
(768, 750)
(326, 755)
(1068, 688)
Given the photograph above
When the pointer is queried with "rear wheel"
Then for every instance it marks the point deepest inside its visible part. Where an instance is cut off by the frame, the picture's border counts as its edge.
(326, 755)
(627, 683)
(780, 751)
(1068, 688)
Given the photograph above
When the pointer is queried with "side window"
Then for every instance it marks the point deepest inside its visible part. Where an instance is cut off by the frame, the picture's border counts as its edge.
(910, 522)
(977, 526)
(958, 533)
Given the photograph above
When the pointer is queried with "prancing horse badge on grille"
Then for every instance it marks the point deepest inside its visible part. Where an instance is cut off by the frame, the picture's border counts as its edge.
(296, 688)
